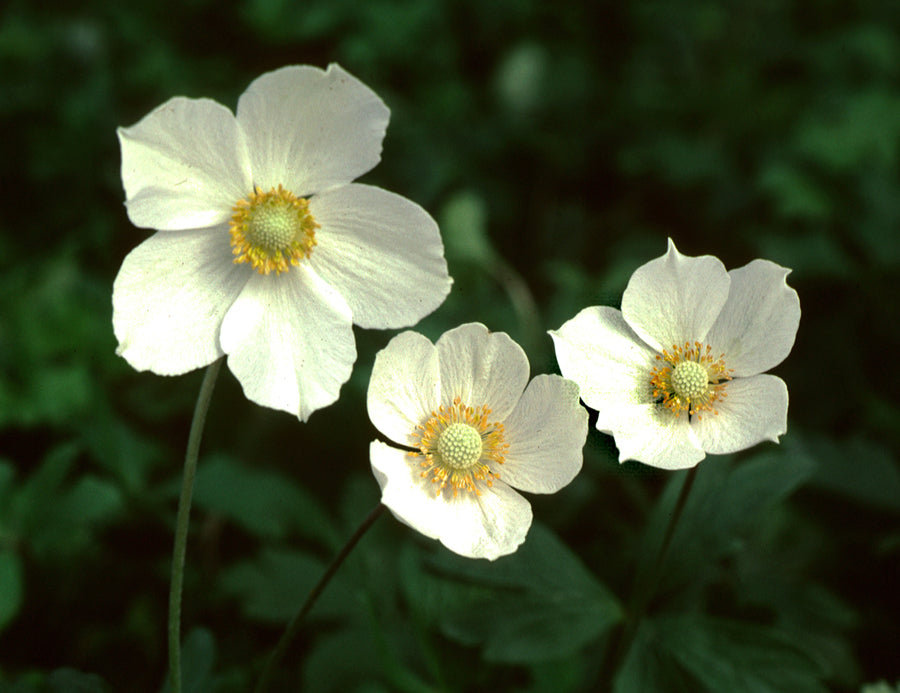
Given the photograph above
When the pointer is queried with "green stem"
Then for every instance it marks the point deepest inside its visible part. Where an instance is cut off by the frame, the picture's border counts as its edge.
(294, 626)
(182, 523)
(522, 300)
(640, 598)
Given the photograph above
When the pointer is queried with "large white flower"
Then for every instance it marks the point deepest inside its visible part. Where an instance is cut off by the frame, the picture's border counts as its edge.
(265, 250)
(679, 372)
(476, 433)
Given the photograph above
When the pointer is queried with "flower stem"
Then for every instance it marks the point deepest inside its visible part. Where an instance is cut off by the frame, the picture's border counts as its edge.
(182, 522)
(640, 598)
(522, 300)
(294, 626)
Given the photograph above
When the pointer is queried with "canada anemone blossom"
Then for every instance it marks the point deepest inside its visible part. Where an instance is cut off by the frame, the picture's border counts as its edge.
(474, 430)
(679, 372)
(265, 250)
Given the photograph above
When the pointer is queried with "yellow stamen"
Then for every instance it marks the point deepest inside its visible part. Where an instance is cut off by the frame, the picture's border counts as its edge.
(692, 380)
(272, 230)
(457, 445)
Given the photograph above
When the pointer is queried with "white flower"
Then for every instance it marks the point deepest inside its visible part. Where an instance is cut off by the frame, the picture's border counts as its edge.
(265, 250)
(476, 432)
(678, 373)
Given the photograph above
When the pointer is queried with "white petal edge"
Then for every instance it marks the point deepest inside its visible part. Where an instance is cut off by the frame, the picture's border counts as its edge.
(311, 130)
(482, 368)
(648, 433)
(382, 252)
(488, 526)
(754, 410)
(184, 165)
(758, 324)
(546, 433)
(675, 298)
(289, 340)
(170, 298)
(602, 354)
(404, 387)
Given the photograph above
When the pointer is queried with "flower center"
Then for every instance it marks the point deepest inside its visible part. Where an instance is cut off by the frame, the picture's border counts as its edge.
(457, 446)
(689, 380)
(692, 379)
(460, 446)
(272, 230)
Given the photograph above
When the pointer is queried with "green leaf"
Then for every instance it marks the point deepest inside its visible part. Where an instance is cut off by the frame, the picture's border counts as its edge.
(725, 500)
(122, 451)
(811, 254)
(795, 194)
(858, 469)
(11, 583)
(40, 490)
(864, 132)
(7, 479)
(58, 681)
(62, 680)
(540, 604)
(56, 519)
(273, 587)
(72, 681)
(325, 668)
(717, 655)
(198, 658)
(464, 227)
(75, 515)
(262, 502)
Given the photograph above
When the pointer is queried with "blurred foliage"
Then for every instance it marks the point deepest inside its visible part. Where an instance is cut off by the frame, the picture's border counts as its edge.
(558, 144)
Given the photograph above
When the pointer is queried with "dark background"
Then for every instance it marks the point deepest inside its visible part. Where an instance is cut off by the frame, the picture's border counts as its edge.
(558, 145)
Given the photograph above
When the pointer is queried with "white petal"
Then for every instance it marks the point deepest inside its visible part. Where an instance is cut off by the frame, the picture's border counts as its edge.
(482, 368)
(675, 298)
(612, 366)
(184, 165)
(602, 354)
(404, 387)
(170, 297)
(546, 432)
(311, 130)
(649, 433)
(289, 341)
(754, 410)
(382, 252)
(488, 526)
(757, 326)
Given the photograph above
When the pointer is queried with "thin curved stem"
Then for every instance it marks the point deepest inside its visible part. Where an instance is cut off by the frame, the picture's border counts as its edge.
(643, 593)
(294, 626)
(182, 522)
(522, 300)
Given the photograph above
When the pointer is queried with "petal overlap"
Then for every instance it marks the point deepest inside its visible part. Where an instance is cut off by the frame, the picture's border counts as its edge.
(277, 333)
(532, 440)
(246, 189)
(165, 321)
(758, 323)
(675, 298)
(482, 367)
(381, 251)
(183, 165)
(311, 130)
(676, 374)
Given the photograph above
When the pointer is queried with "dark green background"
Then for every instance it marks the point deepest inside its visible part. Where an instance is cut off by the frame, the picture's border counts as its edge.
(558, 144)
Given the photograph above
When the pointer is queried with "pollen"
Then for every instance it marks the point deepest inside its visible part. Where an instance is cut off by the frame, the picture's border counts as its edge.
(690, 379)
(272, 230)
(460, 448)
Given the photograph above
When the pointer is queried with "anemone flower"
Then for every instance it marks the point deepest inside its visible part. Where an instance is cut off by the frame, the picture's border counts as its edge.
(679, 372)
(473, 433)
(265, 250)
